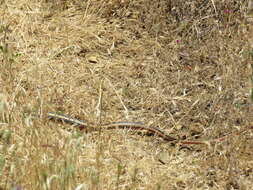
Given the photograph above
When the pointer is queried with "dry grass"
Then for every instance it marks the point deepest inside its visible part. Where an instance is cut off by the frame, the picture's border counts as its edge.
(183, 66)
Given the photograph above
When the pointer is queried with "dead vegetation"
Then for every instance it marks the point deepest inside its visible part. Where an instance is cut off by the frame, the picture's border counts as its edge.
(182, 66)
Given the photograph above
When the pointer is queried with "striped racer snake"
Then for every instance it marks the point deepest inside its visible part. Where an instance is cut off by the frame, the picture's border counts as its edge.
(117, 125)
(133, 126)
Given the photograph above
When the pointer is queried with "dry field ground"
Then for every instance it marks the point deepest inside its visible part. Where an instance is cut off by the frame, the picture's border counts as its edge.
(183, 66)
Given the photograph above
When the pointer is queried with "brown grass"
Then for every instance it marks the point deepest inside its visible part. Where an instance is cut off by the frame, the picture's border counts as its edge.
(182, 66)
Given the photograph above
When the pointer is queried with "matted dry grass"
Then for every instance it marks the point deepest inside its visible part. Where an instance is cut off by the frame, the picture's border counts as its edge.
(182, 66)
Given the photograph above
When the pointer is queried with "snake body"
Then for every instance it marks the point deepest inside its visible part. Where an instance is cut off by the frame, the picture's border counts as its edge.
(116, 125)
(137, 126)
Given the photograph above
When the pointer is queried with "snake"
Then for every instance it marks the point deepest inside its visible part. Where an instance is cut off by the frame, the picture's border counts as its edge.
(136, 126)
(115, 125)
